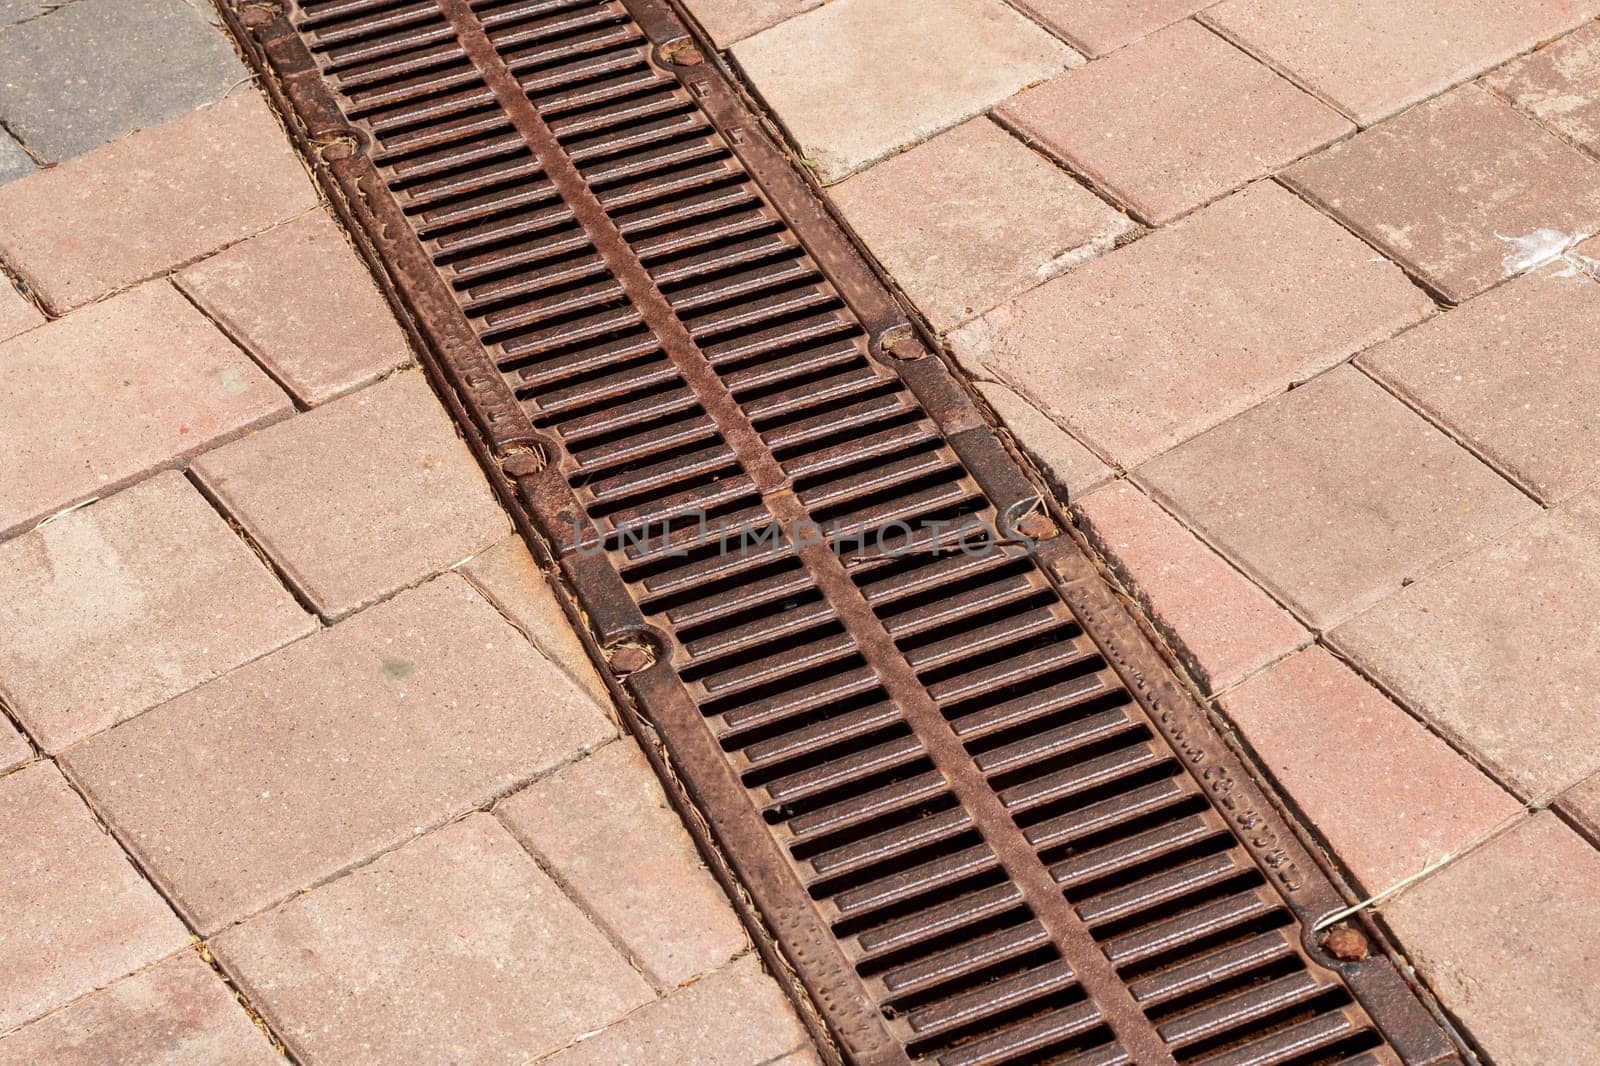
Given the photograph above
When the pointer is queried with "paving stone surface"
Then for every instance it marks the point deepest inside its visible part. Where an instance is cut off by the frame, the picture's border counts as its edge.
(1495, 650)
(1096, 27)
(857, 80)
(603, 827)
(94, 70)
(1069, 467)
(16, 313)
(14, 750)
(737, 1017)
(1513, 373)
(1334, 495)
(175, 1013)
(151, 201)
(115, 607)
(1503, 938)
(1458, 189)
(728, 21)
(106, 396)
(290, 769)
(360, 498)
(78, 915)
(508, 577)
(1371, 58)
(1154, 343)
(1559, 84)
(303, 304)
(14, 162)
(1222, 626)
(974, 217)
(1388, 796)
(1581, 803)
(455, 948)
(14, 11)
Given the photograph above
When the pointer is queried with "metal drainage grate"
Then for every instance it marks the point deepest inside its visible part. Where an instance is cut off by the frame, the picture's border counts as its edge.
(960, 799)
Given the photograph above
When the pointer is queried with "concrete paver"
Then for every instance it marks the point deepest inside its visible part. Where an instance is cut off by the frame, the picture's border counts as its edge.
(1069, 467)
(1504, 937)
(360, 498)
(1494, 650)
(296, 766)
(1559, 85)
(1371, 58)
(455, 948)
(1334, 495)
(1096, 27)
(1581, 803)
(1145, 347)
(14, 750)
(1387, 795)
(603, 827)
(16, 313)
(94, 70)
(302, 303)
(972, 218)
(176, 1013)
(1173, 121)
(856, 80)
(14, 162)
(106, 396)
(151, 201)
(1221, 625)
(115, 607)
(78, 915)
(14, 11)
(1458, 189)
(728, 21)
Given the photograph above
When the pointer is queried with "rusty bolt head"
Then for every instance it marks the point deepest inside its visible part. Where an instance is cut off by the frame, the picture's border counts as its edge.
(333, 151)
(522, 463)
(1346, 943)
(628, 658)
(682, 53)
(256, 16)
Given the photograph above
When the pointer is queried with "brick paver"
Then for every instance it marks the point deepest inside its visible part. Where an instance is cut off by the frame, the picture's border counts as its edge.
(151, 201)
(290, 769)
(302, 303)
(728, 21)
(1096, 27)
(108, 395)
(1389, 796)
(97, 69)
(1496, 650)
(1560, 85)
(14, 750)
(1450, 187)
(856, 80)
(176, 1012)
(1371, 58)
(16, 313)
(360, 498)
(1504, 937)
(603, 828)
(1512, 373)
(78, 915)
(115, 607)
(1222, 626)
(1070, 468)
(1143, 348)
(737, 1017)
(972, 218)
(1581, 803)
(455, 948)
(1334, 495)
(1173, 121)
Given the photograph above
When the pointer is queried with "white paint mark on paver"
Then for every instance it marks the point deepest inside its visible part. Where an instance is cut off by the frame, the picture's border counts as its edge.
(1545, 246)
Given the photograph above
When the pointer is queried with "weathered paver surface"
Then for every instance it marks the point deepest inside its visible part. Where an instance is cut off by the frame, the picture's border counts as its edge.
(1559, 85)
(1096, 27)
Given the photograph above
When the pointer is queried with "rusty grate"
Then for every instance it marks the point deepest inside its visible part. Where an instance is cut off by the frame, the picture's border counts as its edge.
(958, 796)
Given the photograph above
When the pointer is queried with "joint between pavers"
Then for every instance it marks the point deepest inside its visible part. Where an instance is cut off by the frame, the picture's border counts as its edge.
(235, 339)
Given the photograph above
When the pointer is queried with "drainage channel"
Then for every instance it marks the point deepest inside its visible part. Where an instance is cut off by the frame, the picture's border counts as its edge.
(961, 801)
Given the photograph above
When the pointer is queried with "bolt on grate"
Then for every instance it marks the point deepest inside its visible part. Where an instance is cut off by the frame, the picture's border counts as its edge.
(957, 795)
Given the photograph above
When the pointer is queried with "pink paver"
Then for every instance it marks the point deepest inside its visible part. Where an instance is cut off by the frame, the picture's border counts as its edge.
(115, 607)
(14, 750)
(857, 80)
(1173, 121)
(78, 915)
(737, 1017)
(16, 313)
(1154, 343)
(1494, 650)
(728, 21)
(173, 1013)
(1581, 803)
(1455, 189)
(106, 396)
(151, 201)
(455, 948)
(1069, 466)
(1504, 937)
(1513, 373)
(1559, 84)
(296, 766)
(603, 827)
(1222, 626)
(360, 498)
(302, 303)
(1334, 495)
(972, 218)
(1096, 27)
(1370, 58)
(1389, 796)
